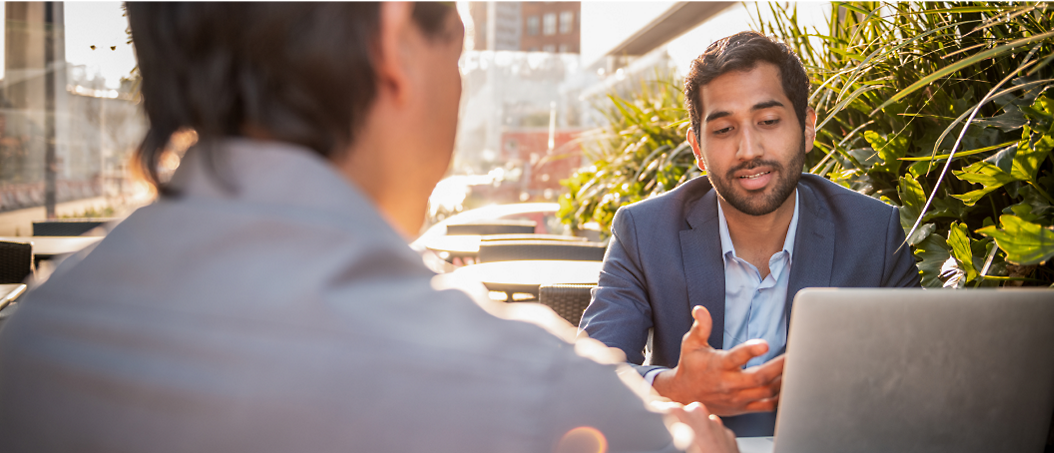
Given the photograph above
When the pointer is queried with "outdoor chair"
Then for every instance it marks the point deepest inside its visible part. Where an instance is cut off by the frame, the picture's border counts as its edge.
(69, 227)
(491, 251)
(493, 227)
(16, 261)
(568, 301)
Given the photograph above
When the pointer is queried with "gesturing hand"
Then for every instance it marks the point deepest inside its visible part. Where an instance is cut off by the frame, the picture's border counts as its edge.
(716, 377)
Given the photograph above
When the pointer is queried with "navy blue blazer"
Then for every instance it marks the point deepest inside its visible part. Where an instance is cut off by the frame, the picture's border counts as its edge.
(665, 257)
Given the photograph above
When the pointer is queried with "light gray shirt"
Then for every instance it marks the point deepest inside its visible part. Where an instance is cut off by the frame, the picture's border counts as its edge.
(285, 316)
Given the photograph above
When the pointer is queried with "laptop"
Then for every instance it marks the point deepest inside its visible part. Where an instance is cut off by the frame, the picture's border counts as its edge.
(912, 371)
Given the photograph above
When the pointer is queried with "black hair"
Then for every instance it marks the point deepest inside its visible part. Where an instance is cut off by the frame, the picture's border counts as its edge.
(301, 73)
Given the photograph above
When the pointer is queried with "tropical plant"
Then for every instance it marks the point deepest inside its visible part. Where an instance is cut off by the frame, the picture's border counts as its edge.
(943, 109)
(642, 152)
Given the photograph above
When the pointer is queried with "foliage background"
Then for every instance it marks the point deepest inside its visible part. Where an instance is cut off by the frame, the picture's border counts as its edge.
(943, 109)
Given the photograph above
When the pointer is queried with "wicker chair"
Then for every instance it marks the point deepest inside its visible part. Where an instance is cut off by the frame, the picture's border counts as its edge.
(16, 261)
(568, 301)
(490, 251)
(493, 227)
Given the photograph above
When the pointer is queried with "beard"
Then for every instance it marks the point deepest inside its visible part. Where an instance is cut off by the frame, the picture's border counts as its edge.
(762, 203)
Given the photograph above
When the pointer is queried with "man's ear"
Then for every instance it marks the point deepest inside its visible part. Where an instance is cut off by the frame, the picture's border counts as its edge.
(695, 149)
(810, 128)
(389, 58)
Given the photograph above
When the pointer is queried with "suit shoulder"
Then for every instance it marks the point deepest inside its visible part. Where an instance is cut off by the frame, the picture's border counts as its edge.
(675, 202)
(841, 200)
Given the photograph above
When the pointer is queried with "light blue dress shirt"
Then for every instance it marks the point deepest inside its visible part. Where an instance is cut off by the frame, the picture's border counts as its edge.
(754, 306)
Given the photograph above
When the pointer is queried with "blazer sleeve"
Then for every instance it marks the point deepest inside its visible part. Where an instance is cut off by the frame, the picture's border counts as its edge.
(619, 314)
(900, 269)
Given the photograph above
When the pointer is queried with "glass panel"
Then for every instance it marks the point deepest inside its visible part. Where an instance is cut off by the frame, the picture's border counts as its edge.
(69, 116)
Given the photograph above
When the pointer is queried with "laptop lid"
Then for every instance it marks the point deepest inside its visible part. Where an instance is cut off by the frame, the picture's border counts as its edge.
(911, 370)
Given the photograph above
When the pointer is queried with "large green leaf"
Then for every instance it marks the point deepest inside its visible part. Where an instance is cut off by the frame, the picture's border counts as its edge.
(959, 241)
(984, 173)
(1024, 242)
(913, 199)
(932, 252)
(890, 149)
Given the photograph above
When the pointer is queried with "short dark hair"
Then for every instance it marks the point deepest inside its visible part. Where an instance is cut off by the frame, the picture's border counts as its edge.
(301, 72)
(742, 52)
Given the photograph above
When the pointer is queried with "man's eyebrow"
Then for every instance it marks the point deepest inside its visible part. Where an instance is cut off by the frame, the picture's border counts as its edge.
(756, 107)
(716, 115)
(766, 104)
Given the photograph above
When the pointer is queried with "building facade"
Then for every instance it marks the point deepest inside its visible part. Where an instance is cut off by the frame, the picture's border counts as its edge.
(551, 26)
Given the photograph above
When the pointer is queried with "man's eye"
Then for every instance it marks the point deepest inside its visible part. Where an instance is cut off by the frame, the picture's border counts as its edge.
(722, 131)
(770, 122)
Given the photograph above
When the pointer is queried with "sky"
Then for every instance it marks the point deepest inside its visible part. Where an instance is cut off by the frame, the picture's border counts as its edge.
(101, 24)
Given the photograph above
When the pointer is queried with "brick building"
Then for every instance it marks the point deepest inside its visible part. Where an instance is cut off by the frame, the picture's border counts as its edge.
(526, 26)
(551, 26)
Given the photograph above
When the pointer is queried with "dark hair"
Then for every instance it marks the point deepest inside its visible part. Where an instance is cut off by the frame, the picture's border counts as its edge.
(742, 52)
(300, 72)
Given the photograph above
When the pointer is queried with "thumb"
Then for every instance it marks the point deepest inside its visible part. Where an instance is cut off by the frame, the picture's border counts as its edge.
(699, 335)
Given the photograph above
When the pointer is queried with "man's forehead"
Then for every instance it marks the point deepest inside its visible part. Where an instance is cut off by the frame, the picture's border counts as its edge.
(746, 89)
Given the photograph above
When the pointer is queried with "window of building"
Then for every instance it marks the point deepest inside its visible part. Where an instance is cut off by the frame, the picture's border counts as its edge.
(549, 24)
(567, 22)
(563, 48)
(532, 25)
(549, 48)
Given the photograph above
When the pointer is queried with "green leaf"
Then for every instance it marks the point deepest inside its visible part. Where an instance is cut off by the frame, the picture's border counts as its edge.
(1024, 242)
(913, 198)
(1004, 159)
(890, 150)
(932, 253)
(984, 173)
(962, 64)
(959, 240)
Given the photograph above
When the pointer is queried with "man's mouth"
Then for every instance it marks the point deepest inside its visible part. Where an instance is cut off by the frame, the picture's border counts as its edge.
(755, 176)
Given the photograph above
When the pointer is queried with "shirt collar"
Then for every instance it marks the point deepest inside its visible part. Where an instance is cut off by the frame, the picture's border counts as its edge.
(726, 239)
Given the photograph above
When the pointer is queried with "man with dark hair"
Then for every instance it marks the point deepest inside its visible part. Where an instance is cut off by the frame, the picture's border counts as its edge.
(710, 275)
(268, 300)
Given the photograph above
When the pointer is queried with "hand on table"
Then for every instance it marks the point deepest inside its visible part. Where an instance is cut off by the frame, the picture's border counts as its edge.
(709, 435)
(716, 378)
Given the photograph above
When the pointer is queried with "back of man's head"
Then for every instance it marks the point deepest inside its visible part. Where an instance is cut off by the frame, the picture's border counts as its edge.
(300, 73)
(742, 52)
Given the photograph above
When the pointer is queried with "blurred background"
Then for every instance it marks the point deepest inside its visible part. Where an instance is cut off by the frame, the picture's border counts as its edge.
(536, 76)
(573, 109)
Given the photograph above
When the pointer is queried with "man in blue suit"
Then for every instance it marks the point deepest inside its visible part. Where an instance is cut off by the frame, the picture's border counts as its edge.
(710, 269)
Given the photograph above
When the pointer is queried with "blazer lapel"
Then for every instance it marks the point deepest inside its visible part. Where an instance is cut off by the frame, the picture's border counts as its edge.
(704, 269)
(813, 256)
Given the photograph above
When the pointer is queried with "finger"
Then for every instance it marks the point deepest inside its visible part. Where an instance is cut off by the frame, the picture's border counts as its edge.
(767, 372)
(699, 335)
(717, 420)
(697, 407)
(742, 353)
(752, 394)
(762, 405)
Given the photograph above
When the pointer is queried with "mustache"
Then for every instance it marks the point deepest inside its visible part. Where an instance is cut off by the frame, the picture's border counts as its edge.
(751, 164)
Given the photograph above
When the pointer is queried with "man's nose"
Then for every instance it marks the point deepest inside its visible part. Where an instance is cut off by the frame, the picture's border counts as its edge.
(750, 144)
